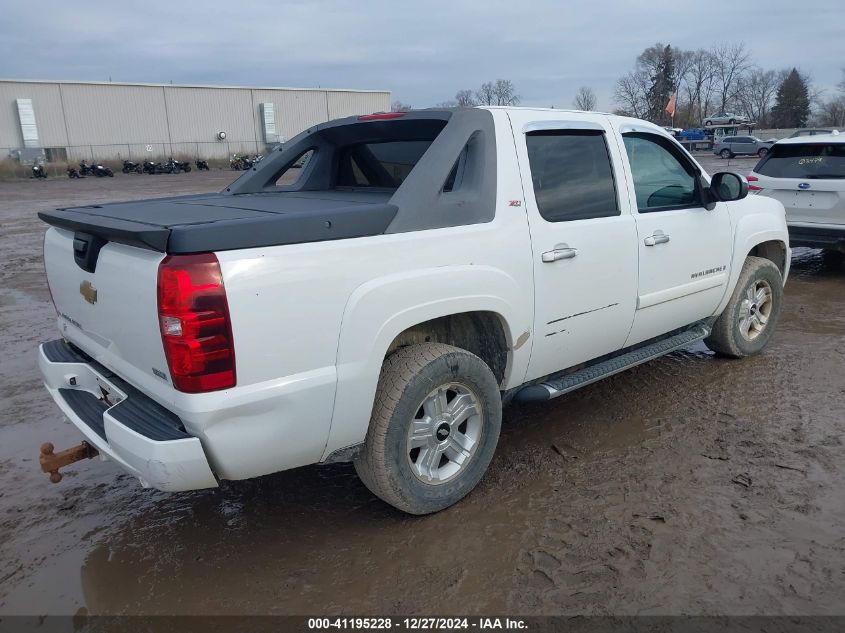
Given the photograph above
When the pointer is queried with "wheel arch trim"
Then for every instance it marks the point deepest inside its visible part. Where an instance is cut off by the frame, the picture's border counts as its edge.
(371, 322)
(751, 231)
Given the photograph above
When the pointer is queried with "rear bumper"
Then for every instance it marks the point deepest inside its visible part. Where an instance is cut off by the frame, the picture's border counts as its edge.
(826, 237)
(144, 438)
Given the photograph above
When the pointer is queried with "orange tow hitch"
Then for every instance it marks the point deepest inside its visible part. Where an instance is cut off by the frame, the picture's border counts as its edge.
(51, 462)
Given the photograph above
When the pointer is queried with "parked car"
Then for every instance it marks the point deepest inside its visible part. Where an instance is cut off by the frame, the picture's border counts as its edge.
(731, 146)
(724, 118)
(811, 132)
(807, 175)
(420, 270)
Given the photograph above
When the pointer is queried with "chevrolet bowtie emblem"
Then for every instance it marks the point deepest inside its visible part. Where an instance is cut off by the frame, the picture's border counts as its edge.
(88, 291)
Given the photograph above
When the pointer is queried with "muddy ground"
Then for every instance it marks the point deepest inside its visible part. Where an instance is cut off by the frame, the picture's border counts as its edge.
(688, 485)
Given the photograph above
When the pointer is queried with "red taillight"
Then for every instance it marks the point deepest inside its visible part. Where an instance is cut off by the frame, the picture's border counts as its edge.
(194, 321)
(381, 116)
(751, 179)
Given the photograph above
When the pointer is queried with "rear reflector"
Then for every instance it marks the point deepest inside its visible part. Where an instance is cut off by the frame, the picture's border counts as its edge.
(381, 116)
(751, 179)
(194, 322)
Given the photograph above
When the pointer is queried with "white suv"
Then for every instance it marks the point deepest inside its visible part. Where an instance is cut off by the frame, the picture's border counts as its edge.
(807, 174)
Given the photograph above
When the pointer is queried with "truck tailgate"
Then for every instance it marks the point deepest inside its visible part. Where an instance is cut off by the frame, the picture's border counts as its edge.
(111, 313)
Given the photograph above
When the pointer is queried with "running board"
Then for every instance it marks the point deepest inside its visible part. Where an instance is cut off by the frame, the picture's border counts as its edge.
(561, 383)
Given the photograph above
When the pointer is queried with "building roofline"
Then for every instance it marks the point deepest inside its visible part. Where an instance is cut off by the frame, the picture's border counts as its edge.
(170, 85)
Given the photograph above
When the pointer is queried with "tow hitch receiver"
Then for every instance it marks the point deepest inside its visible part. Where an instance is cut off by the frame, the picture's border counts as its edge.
(51, 462)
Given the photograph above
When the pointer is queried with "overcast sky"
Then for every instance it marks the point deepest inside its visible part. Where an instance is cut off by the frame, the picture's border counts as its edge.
(423, 52)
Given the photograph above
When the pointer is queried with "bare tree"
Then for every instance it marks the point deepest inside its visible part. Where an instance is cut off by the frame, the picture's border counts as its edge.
(755, 93)
(683, 64)
(465, 99)
(485, 95)
(699, 84)
(505, 93)
(631, 93)
(500, 92)
(730, 62)
(449, 103)
(831, 113)
(585, 99)
(398, 106)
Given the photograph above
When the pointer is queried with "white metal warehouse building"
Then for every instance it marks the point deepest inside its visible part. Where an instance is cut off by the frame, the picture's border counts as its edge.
(102, 120)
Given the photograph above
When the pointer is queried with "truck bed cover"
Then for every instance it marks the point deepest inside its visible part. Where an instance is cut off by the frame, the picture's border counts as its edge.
(216, 222)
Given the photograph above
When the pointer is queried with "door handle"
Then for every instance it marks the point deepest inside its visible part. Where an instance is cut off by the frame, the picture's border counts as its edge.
(561, 252)
(659, 237)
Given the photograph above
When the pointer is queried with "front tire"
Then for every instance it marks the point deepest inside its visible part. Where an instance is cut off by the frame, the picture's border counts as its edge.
(725, 154)
(762, 152)
(747, 322)
(434, 428)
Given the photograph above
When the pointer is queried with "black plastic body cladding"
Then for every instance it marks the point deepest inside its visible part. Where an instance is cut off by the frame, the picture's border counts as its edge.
(255, 212)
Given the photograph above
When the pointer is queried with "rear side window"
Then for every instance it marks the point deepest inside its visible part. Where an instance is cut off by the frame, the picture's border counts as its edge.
(806, 161)
(381, 165)
(571, 174)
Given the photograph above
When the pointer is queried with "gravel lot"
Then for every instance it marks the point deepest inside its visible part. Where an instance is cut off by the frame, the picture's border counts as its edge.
(690, 485)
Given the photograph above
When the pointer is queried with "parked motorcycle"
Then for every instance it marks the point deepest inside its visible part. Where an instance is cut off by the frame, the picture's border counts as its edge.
(97, 169)
(38, 171)
(72, 173)
(237, 162)
(101, 170)
(202, 165)
(129, 167)
(177, 166)
(149, 167)
(85, 169)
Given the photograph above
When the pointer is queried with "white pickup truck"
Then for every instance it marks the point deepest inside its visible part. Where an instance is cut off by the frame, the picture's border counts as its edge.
(377, 289)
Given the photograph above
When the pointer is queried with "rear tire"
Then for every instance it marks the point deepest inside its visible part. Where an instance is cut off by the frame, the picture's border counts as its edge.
(434, 428)
(747, 322)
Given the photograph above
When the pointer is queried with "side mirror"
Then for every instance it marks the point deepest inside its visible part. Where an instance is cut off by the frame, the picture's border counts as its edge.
(726, 186)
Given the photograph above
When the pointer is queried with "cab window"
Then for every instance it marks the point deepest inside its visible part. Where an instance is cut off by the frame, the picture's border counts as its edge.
(663, 178)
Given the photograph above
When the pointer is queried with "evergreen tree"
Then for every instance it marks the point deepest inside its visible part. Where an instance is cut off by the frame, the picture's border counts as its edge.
(792, 103)
(660, 61)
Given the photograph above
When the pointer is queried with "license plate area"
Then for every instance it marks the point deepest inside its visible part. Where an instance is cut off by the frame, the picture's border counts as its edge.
(814, 199)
